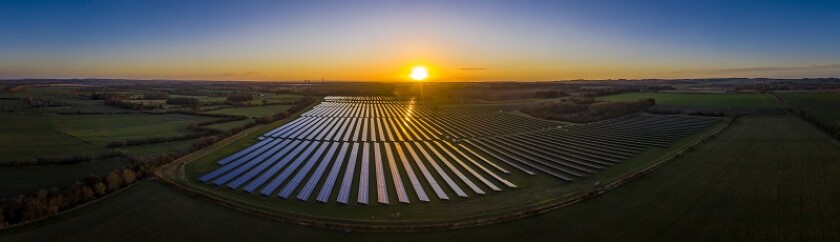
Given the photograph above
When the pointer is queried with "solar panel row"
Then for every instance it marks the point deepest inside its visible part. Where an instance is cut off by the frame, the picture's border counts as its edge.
(409, 157)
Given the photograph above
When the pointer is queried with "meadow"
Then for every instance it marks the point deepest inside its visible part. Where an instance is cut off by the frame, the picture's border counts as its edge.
(763, 178)
(693, 102)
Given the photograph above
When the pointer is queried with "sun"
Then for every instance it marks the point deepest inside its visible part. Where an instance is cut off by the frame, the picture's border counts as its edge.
(419, 73)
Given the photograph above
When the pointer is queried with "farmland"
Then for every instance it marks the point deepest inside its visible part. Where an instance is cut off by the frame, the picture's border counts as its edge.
(405, 164)
(692, 102)
(718, 191)
(21, 180)
(47, 123)
(27, 136)
(824, 106)
(254, 112)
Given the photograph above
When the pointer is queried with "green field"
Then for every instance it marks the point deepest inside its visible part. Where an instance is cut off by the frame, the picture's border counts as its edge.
(29, 136)
(825, 107)
(255, 111)
(764, 178)
(18, 180)
(159, 148)
(65, 95)
(230, 125)
(741, 103)
(103, 129)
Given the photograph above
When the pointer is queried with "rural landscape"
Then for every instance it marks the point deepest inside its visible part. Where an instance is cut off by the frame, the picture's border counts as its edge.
(169, 129)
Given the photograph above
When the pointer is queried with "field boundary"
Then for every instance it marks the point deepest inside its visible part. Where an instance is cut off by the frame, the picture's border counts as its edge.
(174, 175)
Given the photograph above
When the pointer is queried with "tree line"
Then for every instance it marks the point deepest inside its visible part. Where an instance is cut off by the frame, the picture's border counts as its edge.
(299, 106)
(62, 160)
(833, 129)
(583, 110)
(44, 203)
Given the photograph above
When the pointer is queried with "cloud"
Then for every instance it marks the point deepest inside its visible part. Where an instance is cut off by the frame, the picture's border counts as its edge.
(473, 69)
(227, 74)
(753, 69)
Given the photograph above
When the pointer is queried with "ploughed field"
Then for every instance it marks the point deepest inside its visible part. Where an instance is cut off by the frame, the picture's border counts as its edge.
(363, 150)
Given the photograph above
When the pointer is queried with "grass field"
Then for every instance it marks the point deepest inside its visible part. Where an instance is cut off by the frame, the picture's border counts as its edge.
(255, 111)
(65, 95)
(103, 129)
(742, 103)
(764, 178)
(29, 136)
(17, 180)
(825, 107)
(230, 125)
(159, 148)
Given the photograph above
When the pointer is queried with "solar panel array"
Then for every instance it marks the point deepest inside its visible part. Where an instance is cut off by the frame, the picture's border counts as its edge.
(398, 150)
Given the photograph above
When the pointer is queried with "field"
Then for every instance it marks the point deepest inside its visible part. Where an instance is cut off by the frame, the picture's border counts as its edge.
(29, 136)
(254, 112)
(230, 125)
(159, 148)
(740, 103)
(22, 180)
(764, 178)
(825, 107)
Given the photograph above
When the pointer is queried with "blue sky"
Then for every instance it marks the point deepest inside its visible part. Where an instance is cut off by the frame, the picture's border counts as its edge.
(379, 40)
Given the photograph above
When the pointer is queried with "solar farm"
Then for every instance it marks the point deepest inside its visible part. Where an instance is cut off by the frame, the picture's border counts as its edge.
(385, 150)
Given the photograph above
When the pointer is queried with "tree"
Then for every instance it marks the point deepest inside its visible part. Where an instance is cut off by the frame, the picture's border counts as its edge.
(87, 194)
(2, 218)
(91, 179)
(192, 125)
(266, 119)
(240, 97)
(54, 204)
(99, 189)
(113, 180)
(128, 176)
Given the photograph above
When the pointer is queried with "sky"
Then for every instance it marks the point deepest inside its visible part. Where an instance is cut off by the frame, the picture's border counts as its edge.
(382, 40)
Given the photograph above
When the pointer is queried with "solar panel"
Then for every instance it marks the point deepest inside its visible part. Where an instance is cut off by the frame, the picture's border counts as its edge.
(316, 175)
(415, 183)
(347, 183)
(364, 175)
(327, 188)
(285, 152)
(304, 171)
(402, 196)
(275, 168)
(268, 189)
